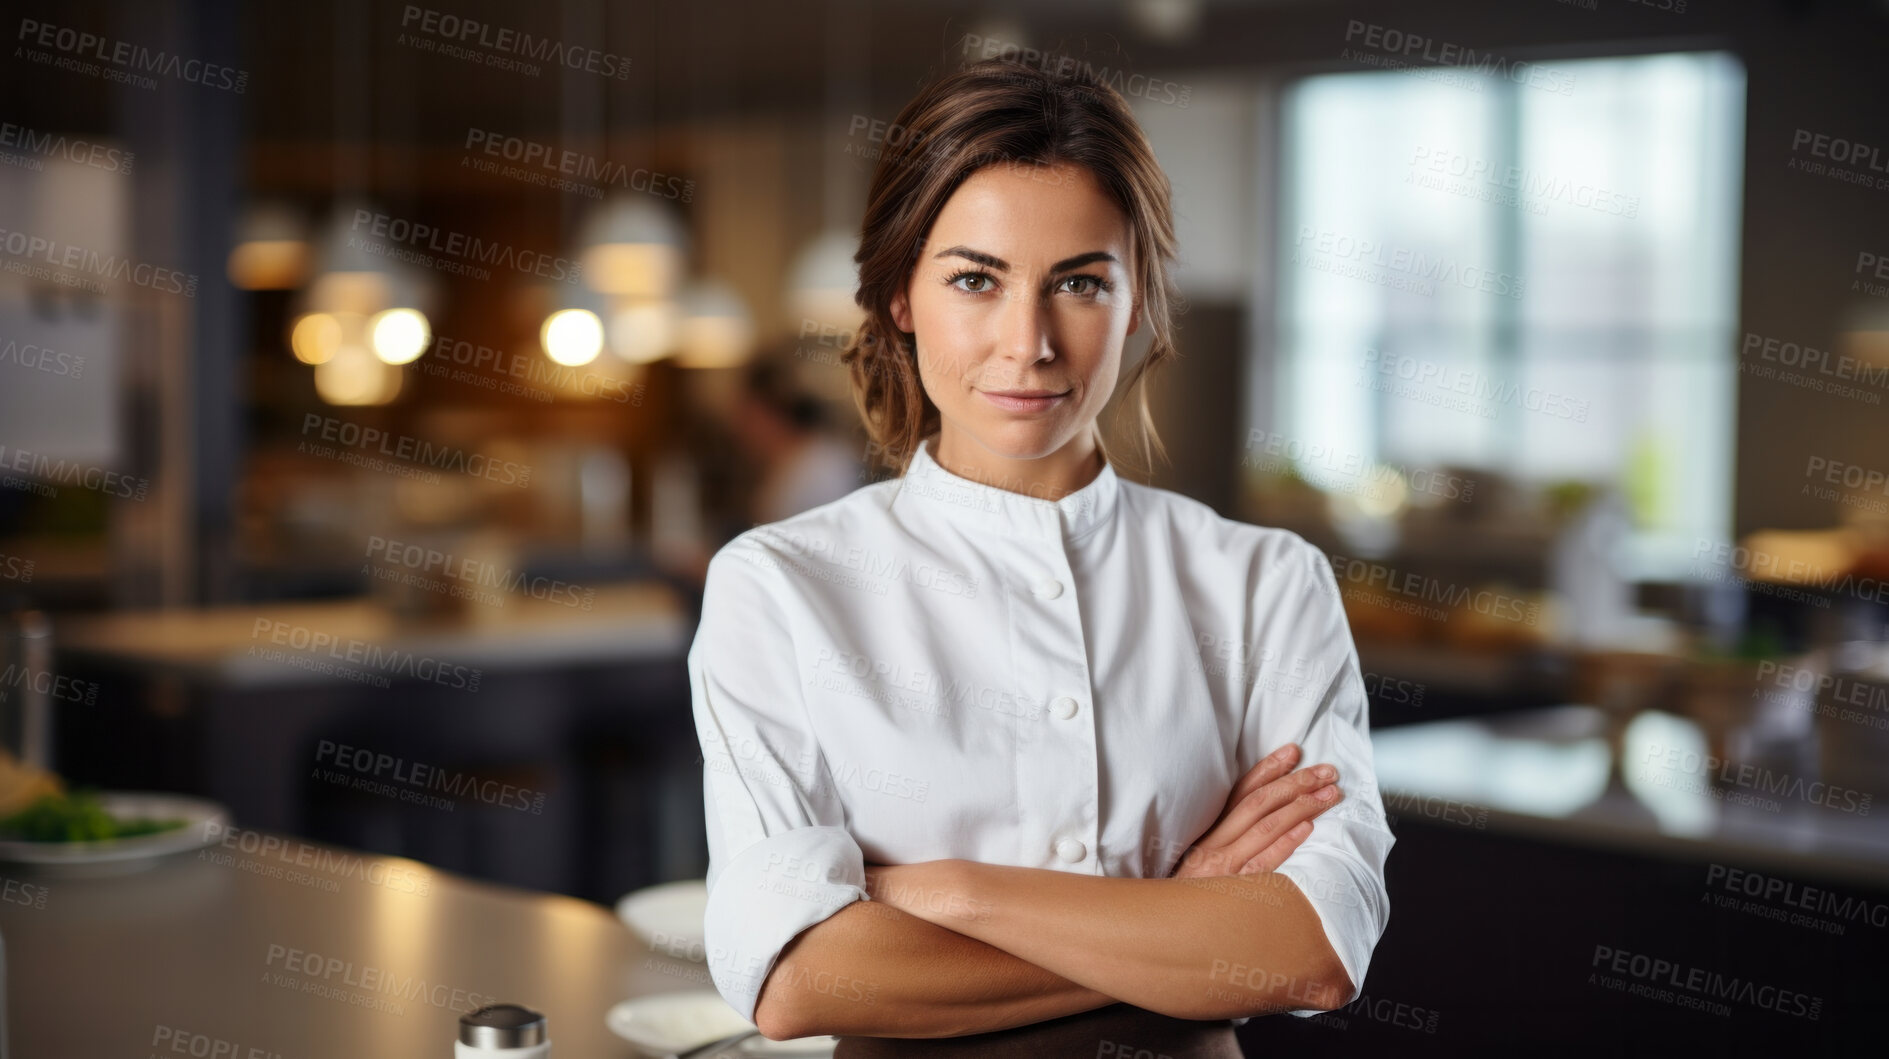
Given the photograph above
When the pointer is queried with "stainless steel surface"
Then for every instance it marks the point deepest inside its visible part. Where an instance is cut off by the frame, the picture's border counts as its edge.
(1545, 773)
(310, 952)
(502, 1026)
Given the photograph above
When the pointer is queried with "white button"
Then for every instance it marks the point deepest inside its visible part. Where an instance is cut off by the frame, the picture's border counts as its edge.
(1071, 850)
(1047, 589)
(1064, 706)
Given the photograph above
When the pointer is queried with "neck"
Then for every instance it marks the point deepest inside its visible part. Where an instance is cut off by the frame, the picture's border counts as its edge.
(1049, 477)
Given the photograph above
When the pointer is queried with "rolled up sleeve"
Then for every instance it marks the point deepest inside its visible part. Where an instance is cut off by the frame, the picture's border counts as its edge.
(1316, 698)
(780, 856)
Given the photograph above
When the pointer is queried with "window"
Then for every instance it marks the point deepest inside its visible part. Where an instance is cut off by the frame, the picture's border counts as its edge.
(1537, 279)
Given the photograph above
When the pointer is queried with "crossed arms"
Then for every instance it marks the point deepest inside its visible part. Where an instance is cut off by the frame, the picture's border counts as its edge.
(954, 947)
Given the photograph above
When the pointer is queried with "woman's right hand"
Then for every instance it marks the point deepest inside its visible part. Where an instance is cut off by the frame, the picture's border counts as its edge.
(1267, 816)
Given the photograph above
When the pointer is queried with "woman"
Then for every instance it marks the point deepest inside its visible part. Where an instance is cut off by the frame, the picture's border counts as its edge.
(987, 743)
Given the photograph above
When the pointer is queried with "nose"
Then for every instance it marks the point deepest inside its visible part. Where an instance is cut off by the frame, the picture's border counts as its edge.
(1025, 333)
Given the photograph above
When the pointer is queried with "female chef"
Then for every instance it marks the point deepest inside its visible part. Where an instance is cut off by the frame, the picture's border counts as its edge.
(1001, 754)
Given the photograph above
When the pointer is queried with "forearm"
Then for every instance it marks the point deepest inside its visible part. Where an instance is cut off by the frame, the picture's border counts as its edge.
(1203, 948)
(872, 970)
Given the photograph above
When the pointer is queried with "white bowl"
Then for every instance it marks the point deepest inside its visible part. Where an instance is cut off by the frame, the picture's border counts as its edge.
(668, 918)
(664, 1024)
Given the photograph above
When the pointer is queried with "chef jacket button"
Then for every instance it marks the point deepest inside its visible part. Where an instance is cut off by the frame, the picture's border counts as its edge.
(1071, 850)
(1064, 706)
(1048, 588)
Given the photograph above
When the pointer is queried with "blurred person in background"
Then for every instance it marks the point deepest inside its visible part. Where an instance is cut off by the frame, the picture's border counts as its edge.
(784, 430)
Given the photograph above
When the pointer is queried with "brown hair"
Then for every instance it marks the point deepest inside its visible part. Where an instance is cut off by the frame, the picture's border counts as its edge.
(997, 112)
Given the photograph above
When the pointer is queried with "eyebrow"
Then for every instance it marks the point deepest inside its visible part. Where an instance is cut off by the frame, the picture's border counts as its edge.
(998, 263)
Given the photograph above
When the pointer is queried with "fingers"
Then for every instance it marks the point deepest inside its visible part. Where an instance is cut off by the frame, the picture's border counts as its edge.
(1274, 855)
(1258, 839)
(1273, 766)
(1266, 800)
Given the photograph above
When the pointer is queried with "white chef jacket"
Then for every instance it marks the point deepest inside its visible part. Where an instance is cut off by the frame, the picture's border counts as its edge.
(933, 668)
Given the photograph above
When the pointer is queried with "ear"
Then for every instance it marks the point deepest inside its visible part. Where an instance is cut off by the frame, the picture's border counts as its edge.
(1134, 317)
(902, 312)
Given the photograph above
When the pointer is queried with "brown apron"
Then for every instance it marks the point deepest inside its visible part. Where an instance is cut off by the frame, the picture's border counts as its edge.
(1118, 1031)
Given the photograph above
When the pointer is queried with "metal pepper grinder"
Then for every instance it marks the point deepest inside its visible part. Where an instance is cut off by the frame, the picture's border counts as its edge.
(503, 1031)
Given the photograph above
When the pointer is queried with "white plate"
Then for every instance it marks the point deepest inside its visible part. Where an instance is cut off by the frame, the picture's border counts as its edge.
(666, 1023)
(668, 918)
(204, 822)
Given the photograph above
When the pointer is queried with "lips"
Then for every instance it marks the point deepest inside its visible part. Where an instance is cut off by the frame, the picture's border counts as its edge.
(1025, 400)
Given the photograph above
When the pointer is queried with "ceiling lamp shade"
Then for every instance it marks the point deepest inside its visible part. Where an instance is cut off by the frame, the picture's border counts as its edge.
(271, 251)
(354, 376)
(645, 331)
(824, 280)
(633, 246)
(359, 320)
(717, 330)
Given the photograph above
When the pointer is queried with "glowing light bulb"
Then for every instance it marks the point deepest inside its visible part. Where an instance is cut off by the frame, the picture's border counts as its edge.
(572, 337)
(315, 337)
(398, 336)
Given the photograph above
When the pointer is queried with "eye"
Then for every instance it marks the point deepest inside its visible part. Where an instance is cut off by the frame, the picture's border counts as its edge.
(983, 279)
(1095, 285)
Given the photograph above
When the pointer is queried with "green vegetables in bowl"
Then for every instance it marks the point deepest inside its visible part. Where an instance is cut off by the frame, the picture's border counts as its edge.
(76, 817)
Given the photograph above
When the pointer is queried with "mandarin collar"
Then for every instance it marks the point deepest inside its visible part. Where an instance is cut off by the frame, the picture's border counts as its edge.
(926, 483)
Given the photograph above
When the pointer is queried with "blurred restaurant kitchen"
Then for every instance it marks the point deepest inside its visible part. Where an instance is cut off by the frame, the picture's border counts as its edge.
(375, 386)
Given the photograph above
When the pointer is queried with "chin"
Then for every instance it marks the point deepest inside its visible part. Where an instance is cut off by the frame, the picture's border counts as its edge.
(1022, 439)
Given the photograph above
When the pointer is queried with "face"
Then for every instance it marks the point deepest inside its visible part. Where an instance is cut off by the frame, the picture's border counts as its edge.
(1020, 302)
